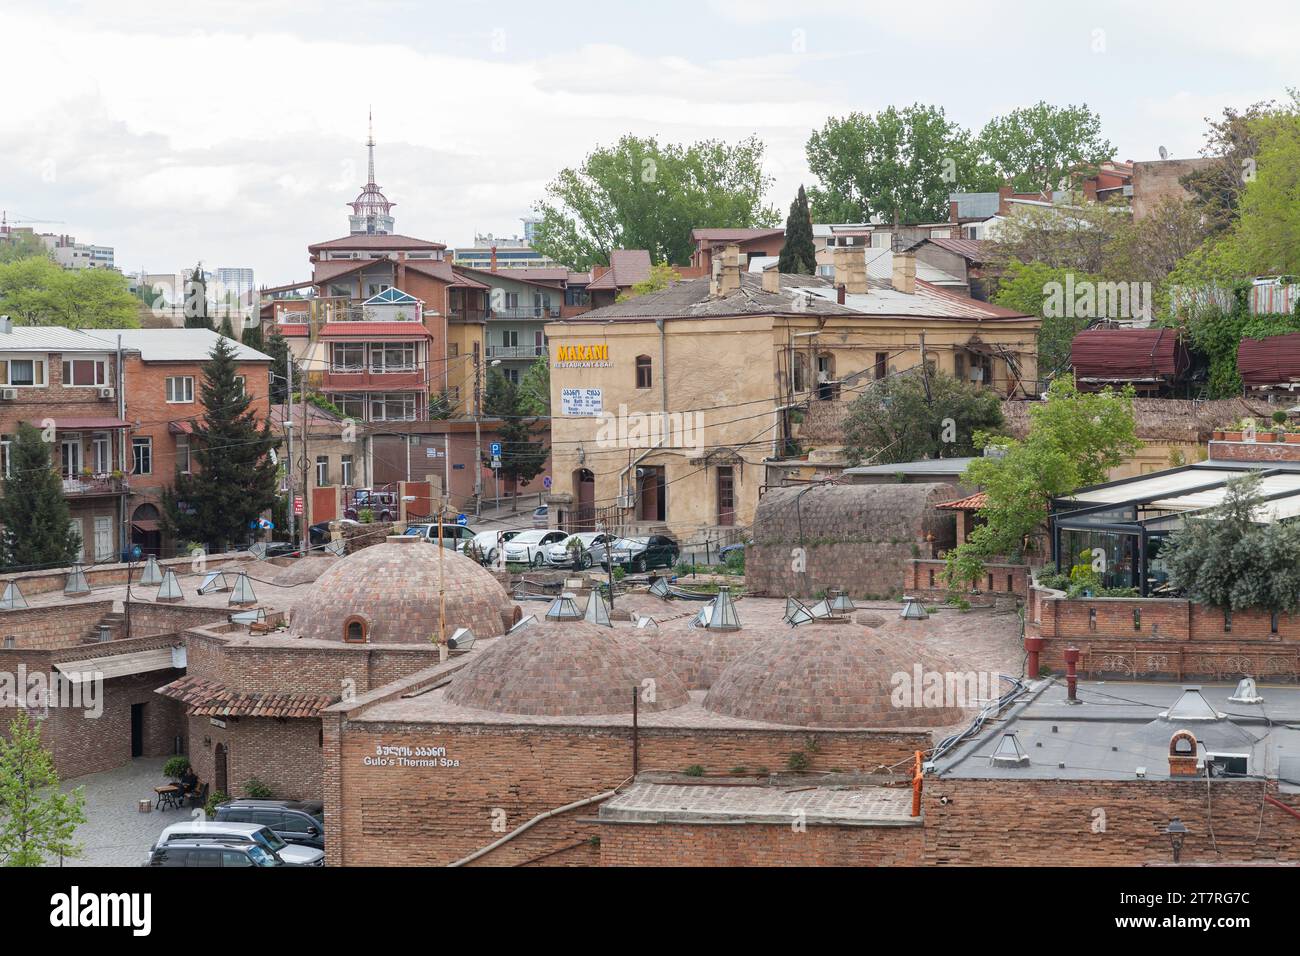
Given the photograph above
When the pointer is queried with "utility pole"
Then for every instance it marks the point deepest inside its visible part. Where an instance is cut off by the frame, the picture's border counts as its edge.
(306, 470)
(478, 438)
(288, 427)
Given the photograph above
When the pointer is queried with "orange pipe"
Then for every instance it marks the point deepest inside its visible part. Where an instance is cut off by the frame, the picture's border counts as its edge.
(916, 786)
(1282, 806)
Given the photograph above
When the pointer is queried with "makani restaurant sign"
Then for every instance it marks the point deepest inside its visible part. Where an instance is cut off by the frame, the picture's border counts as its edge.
(582, 356)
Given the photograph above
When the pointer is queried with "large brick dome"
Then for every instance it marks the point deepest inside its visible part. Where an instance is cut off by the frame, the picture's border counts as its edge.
(391, 591)
(566, 669)
(697, 655)
(827, 675)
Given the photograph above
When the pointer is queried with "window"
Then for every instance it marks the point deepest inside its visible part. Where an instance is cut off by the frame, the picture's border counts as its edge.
(882, 365)
(22, 372)
(345, 469)
(576, 296)
(800, 372)
(243, 384)
(453, 349)
(392, 407)
(183, 454)
(348, 357)
(352, 406)
(142, 456)
(180, 389)
(5, 441)
(354, 630)
(510, 338)
(322, 470)
(100, 459)
(340, 291)
(395, 357)
(511, 375)
(85, 372)
(643, 377)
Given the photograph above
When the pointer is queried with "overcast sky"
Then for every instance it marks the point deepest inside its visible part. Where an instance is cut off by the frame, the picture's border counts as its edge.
(233, 131)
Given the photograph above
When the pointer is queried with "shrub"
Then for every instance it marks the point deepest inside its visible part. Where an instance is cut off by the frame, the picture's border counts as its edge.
(797, 761)
(215, 799)
(175, 767)
(694, 770)
(254, 789)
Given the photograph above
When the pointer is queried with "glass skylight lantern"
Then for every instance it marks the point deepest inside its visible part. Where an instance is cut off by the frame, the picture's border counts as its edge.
(722, 614)
(564, 608)
(701, 618)
(660, 588)
(462, 640)
(255, 615)
(643, 623)
(152, 574)
(242, 594)
(76, 584)
(1246, 692)
(170, 589)
(597, 611)
(1009, 753)
(913, 610)
(793, 608)
(214, 582)
(841, 604)
(821, 609)
(13, 599)
(528, 621)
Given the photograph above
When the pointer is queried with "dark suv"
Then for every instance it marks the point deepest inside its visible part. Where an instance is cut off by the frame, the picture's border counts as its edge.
(294, 821)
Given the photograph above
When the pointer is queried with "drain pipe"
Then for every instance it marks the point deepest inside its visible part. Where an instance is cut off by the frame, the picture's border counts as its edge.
(533, 822)
(1071, 675)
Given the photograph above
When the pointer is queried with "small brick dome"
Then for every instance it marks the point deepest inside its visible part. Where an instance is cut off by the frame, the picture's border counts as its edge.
(827, 675)
(566, 669)
(388, 594)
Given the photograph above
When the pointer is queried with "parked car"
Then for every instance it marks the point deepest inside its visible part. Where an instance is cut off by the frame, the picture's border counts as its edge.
(529, 547)
(382, 504)
(541, 517)
(454, 536)
(726, 549)
(300, 822)
(209, 853)
(284, 549)
(319, 533)
(230, 832)
(486, 542)
(642, 554)
(561, 554)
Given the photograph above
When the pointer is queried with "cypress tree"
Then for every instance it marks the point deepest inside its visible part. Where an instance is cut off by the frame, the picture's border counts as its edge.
(234, 479)
(522, 457)
(798, 255)
(33, 511)
(196, 301)
(228, 329)
(252, 337)
(277, 346)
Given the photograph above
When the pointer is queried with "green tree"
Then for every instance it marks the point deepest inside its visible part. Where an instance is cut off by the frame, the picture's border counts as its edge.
(1267, 231)
(37, 291)
(897, 164)
(1043, 146)
(917, 415)
(228, 328)
(1024, 287)
(277, 346)
(535, 388)
(799, 254)
(22, 245)
(501, 397)
(252, 337)
(1231, 146)
(440, 407)
(37, 820)
(1075, 438)
(641, 194)
(662, 275)
(33, 511)
(1230, 559)
(234, 481)
(195, 304)
(523, 456)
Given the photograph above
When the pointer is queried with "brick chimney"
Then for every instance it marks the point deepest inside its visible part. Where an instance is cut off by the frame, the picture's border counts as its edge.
(1182, 754)
(494, 258)
(905, 272)
(1004, 193)
(851, 269)
(772, 279)
(952, 212)
(726, 270)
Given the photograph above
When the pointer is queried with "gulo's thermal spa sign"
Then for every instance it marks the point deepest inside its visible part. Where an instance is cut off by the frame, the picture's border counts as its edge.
(402, 755)
(582, 356)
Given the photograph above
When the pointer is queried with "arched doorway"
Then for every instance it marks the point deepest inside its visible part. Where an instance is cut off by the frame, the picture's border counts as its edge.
(219, 784)
(584, 489)
(146, 530)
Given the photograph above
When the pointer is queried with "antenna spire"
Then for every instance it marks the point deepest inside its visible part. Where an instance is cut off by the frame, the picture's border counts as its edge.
(370, 144)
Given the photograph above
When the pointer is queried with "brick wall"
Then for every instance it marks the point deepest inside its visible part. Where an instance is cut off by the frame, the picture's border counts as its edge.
(59, 625)
(675, 844)
(925, 577)
(106, 575)
(1052, 822)
(393, 815)
(283, 754)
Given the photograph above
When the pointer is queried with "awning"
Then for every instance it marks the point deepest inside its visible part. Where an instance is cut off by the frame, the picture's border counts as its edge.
(120, 665)
(146, 525)
(88, 423)
(181, 426)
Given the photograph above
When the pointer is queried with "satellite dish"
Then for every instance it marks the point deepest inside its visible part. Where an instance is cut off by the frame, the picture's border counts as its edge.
(1164, 153)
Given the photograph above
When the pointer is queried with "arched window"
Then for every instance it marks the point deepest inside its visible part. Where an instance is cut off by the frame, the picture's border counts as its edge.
(643, 377)
(354, 630)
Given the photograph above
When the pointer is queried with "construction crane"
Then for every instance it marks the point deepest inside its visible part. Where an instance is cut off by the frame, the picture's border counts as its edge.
(5, 222)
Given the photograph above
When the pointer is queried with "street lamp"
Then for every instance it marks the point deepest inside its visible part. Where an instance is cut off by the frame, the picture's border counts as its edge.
(1177, 836)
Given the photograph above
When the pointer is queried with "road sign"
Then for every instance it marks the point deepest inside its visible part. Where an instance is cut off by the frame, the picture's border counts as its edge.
(496, 449)
(297, 505)
(462, 520)
(546, 482)
(496, 463)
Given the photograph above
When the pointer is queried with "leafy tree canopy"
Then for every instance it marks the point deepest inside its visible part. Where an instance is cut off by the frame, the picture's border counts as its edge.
(1043, 146)
(38, 821)
(37, 291)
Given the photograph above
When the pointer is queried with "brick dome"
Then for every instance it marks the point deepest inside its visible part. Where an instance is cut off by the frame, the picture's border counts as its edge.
(826, 675)
(697, 655)
(391, 591)
(565, 669)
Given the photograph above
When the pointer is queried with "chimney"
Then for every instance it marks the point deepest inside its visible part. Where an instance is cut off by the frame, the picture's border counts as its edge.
(772, 279)
(6, 325)
(952, 212)
(1072, 675)
(905, 272)
(726, 271)
(1004, 193)
(494, 258)
(851, 269)
(1182, 754)
(839, 295)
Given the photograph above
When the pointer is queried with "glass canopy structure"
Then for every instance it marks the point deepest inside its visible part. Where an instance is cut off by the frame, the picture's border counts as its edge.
(1129, 519)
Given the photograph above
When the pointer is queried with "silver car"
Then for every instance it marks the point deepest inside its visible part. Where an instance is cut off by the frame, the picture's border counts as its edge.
(264, 837)
(561, 554)
(530, 547)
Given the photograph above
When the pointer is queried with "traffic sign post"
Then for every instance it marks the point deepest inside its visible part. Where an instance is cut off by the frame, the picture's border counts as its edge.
(462, 520)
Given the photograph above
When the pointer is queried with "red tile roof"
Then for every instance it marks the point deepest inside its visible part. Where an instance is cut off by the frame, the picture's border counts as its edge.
(208, 698)
(627, 267)
(970, 503)
(373, 330)
(364, 241)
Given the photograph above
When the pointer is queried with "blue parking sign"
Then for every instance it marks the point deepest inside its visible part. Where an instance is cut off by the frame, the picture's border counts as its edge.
(496, 449)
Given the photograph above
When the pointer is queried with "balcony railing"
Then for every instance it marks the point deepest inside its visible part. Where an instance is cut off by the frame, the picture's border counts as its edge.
(530, 312)
(96, 485)
(515, 351)
(392, 379)
(467, 315)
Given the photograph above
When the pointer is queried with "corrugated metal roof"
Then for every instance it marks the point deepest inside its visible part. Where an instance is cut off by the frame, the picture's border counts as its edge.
(174, 345)
(1128, 354)
(51, 338)
(1271, 361)
(929, 466)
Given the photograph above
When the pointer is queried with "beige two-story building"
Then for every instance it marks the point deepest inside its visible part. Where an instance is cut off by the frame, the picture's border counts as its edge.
(666, 406)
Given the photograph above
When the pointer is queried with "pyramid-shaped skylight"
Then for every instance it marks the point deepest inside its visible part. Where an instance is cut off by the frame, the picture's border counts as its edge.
(1009, 753)
(721, 614)
(597, 611)
(392, 297)
(152, 574)
(1191, 706)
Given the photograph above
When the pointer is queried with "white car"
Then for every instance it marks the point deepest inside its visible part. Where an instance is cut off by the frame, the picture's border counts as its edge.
(264, 837)
(530, 547)
(561, 555)
(486, 543)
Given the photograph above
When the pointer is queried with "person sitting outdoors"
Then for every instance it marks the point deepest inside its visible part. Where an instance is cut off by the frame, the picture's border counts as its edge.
(189, 782)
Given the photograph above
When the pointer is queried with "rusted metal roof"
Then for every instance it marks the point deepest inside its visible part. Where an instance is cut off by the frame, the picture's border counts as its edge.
(1271, 361)
(208, 698)
(1129, 355)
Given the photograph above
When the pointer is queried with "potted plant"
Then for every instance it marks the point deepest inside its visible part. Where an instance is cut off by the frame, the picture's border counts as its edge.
(175, 768)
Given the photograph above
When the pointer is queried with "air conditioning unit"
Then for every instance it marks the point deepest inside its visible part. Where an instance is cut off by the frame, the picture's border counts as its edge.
(105, 393)
(623, 501)
(8, 394)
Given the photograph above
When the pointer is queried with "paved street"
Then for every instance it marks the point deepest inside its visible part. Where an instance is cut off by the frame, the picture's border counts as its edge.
(115, 832)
